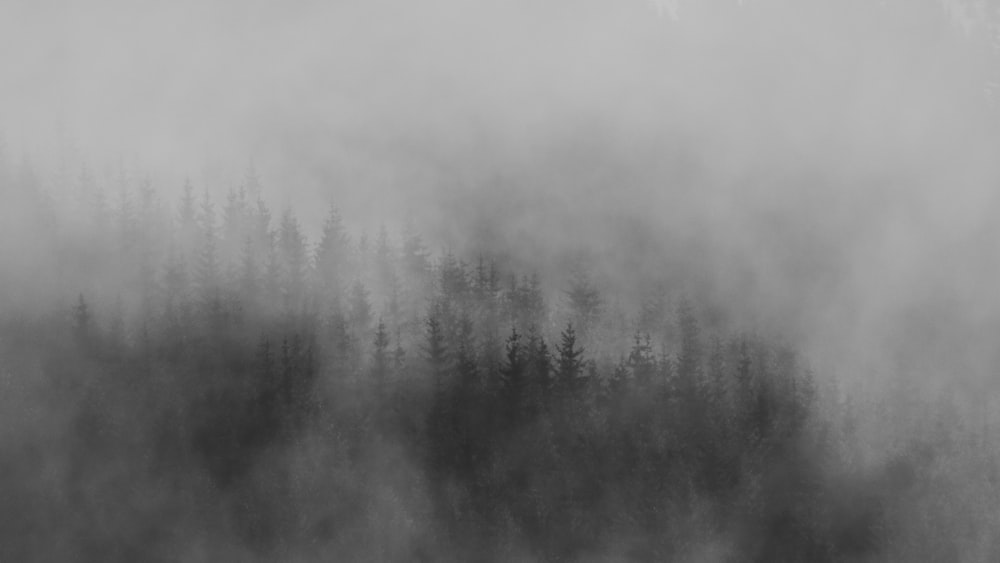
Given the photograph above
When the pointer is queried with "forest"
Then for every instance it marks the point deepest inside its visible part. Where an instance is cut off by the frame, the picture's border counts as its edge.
(214, 386)
(583, 280)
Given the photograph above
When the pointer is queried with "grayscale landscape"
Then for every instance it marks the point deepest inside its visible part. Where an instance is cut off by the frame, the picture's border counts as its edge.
(593, 280)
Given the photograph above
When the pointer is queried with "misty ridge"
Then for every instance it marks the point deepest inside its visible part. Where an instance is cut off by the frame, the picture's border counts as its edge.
(448, 281)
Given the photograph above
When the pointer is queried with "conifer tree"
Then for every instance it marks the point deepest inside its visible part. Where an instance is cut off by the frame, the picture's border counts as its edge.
(641, 362)
(249, 278)
(585, 302)
(292, 249)
(207, 272)
(513, 380)
(360, 309)
(187, 211)
(539, 374)
(436, 350)
(332, 256)
(568, 364)
(380, 356)
(415, 257)
(689, 360)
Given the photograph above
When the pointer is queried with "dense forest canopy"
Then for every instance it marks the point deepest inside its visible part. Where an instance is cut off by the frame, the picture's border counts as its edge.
(499, 281)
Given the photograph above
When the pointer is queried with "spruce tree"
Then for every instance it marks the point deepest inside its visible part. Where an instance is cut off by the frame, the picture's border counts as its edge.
(568, 364)
(332, 257)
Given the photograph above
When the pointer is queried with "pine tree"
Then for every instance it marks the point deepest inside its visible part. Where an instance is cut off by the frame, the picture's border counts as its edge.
(248, 276)
(716, 386)
(415, 258)
(436, 350)
(513, 380)
(343, 348)
(263, 237)
(380, 356)
(175, 281)
(207, 273)
(465, 355)
(689, 361)
(385, 265)
(416, 281)
(126, 215)
(452, 278)
(481, 281)
(641, 362)
(441, 417)
(234, 221)
(585, 302)
(264, 388)
(744, 385)
(332, 256)
(533, 298)
(293, 257)
(360, 309)
(187, 229)
(186, 211)
(539, 374)
(619, 382)
(568, 364)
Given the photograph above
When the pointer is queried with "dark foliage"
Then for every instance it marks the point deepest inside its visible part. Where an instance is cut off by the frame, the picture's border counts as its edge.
(259, 415)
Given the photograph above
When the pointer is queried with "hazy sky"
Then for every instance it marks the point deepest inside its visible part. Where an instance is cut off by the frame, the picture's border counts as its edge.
(833, 160)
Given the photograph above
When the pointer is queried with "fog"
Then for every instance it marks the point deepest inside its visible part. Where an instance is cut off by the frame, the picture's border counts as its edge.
(824, 170)
(837, 160)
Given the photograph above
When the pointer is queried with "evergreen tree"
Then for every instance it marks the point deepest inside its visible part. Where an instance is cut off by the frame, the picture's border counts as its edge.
(385, 265)
(380, 356)
(234, 222)
(585, 302)
(436, 351)
(248, 275)
(441, 417)
(332, 256)
(716, 386)
(263, 237)
(569, 363)
(125, 215)
(272, 282)
(175, 282)
(207, 273)
(360, 309)
(514, 380)
(453, 278)
(465, 356)
(266, 387)
(187, 211)
(398, 354)
(539, 375)
(641, 362)
(343, 356)
(415, 258)
(293, 256)
(689, 360)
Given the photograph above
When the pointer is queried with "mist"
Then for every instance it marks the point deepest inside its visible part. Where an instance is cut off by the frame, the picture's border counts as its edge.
(819, 174)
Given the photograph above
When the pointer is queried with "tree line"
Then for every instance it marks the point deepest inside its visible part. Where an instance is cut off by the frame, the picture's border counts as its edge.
(223, 379)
